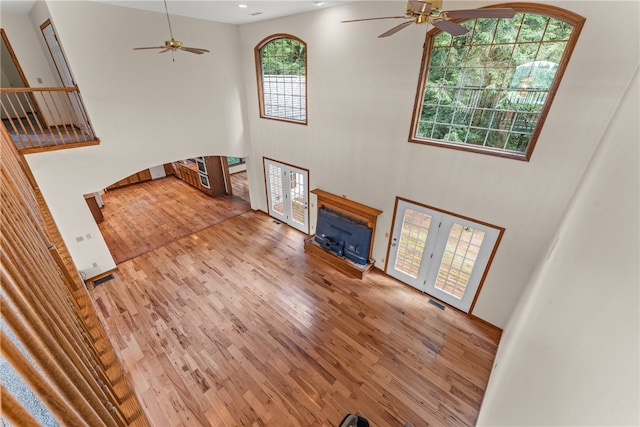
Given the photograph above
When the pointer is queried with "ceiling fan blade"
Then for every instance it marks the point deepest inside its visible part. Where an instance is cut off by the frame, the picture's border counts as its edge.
(373, 19)
(153, 47)
(421, 7)
(395, 29)
(450, 27)
(195, 50)
(481, 13)
(164, 50)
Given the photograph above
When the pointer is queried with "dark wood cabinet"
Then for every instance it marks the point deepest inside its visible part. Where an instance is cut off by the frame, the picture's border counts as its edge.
(94, 208)
(209, 174)
(136, 178)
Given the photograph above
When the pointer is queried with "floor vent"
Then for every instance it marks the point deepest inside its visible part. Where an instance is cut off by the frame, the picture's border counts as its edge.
(437, 304)
(276, 222)
(101, 280)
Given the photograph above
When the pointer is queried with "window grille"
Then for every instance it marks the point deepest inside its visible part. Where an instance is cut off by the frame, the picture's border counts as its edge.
(490, 90)
(282, 82)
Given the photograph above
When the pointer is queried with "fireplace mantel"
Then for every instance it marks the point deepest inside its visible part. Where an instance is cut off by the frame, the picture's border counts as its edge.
(350, 208)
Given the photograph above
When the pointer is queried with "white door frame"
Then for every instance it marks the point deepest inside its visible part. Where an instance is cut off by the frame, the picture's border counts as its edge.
(413, 273)
(287, 189)
(60, 61)
(433, 244)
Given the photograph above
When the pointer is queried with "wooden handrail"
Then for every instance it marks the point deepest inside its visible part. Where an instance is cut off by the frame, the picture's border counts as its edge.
(41, 119)
(38, 89)
(71, 365)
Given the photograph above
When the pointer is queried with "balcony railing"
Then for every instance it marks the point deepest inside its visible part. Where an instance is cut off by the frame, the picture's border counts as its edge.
(40, 119)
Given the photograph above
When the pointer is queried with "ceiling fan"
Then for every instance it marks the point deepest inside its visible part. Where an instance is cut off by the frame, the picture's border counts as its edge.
(423, 12)
(173, 45)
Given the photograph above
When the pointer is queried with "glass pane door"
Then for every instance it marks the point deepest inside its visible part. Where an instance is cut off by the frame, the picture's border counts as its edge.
(411, 240)
(462, 251)
(288, 194)
(275, 190)
(299, 199)
(440, 254)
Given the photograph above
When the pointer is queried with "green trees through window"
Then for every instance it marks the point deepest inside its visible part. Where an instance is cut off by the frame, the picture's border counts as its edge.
(282, 65)
(488, 90)
(284, 56)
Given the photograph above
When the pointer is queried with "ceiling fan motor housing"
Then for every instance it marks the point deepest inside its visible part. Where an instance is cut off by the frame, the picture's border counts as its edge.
(173, 44)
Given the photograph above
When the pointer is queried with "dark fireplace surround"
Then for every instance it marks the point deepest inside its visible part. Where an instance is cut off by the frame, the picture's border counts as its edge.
(345, 230)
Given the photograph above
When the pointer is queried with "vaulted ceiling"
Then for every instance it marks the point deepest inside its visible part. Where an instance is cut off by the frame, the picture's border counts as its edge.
(228, 12)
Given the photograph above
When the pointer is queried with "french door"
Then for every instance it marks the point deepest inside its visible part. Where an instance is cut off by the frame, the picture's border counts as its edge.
(288, 194)
(440, 254)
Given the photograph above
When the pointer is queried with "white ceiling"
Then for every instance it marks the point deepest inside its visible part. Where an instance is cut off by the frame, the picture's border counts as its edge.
(211, 10)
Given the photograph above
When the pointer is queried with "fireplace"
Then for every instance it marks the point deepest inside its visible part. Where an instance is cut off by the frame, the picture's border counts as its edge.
(344, 233)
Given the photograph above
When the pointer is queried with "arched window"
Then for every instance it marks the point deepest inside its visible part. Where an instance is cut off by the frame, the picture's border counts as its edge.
(490, 89)
(281, 63)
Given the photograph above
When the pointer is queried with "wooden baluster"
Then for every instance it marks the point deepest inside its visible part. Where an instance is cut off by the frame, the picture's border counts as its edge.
(56, 401)
(14, 412)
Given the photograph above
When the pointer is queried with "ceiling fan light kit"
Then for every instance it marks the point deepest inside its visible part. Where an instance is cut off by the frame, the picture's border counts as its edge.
(422, 12)
(173, 45)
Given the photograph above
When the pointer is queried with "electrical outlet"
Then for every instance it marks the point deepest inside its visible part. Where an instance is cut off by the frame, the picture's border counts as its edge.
(79, 239)
(95, 265)
(88, 236)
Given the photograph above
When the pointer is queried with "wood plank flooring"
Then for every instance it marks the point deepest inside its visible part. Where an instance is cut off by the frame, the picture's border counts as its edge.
(240, 185)
(235, 325)
(147, 216)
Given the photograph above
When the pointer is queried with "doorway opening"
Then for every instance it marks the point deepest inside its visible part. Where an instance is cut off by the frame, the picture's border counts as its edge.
(14, 77)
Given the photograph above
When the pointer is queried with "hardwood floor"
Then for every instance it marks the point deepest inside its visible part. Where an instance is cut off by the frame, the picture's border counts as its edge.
(146, 216)
(240, 185)
(235, 325)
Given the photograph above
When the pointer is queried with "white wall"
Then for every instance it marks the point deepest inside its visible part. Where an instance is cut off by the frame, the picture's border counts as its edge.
(24, 39)
(570, 355)
(146, 109)
(361, 94)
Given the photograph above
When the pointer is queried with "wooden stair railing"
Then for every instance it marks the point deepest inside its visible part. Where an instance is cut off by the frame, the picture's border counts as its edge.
(71, 364)
(42, 119)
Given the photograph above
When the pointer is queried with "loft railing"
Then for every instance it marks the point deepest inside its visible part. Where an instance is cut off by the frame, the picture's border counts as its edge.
(40, 119)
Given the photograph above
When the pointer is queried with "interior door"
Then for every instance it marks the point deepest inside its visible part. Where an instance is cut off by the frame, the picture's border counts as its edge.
(440, 254)
(63, 68)
(288, 194)
(58, 57)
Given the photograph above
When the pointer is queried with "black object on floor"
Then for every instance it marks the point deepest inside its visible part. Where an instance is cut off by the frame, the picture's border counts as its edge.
(437, 304)
(351, 420)
(101, 280)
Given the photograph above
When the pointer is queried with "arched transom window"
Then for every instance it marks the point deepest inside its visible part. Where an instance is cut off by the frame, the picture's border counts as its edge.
(490, 89)
(281, 62)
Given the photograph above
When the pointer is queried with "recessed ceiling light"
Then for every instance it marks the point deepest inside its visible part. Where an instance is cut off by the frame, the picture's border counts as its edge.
(243, 6)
